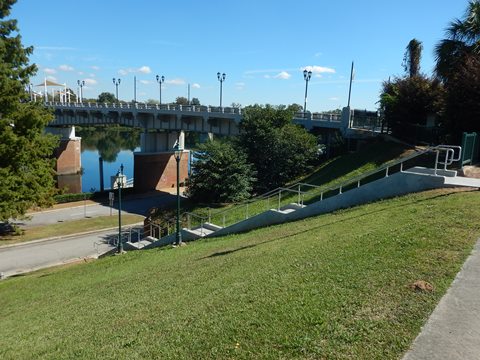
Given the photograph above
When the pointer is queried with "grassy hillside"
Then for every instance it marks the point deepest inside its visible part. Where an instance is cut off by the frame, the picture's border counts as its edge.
(333, 286)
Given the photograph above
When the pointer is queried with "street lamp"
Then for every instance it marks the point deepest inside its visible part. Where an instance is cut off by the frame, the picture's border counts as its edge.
(81, 84)
(160, 81)
(119, 185)
(178, 151)
(116, 82)
(221, 78)
(307, 76)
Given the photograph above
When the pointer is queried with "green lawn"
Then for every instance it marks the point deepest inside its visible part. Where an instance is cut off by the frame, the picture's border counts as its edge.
(68, 228)
(335, 286)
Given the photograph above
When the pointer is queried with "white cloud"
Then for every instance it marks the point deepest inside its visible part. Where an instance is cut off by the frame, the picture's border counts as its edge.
(318, 70)
(175, 82)
(90, 81)
(196, 86)
(66, 68)
(145, 82)
(145, 69)
(240, 85)
(92, 75)
(49, 71)
(95, 67)
(52, 78)
(80, 73)
(334, 98)
(266, 76)
(283, 75)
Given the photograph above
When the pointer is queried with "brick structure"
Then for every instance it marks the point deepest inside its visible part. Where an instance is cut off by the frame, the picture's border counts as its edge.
(158, 171)
(68, 156)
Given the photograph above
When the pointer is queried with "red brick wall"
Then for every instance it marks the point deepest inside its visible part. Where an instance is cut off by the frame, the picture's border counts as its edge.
(68, 157)
(158, 171)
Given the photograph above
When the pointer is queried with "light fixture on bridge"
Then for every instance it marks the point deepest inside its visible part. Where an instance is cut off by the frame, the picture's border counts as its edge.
(116, 82)
(178, 151)
(160, 81)
(307, 75)
(81, 84)
(221, 78)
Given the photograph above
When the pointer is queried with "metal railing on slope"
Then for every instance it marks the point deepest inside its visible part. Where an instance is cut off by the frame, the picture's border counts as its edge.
(280, 197)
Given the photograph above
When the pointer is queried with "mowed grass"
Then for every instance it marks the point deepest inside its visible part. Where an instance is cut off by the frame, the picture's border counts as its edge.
(69, 228)
(335, 286)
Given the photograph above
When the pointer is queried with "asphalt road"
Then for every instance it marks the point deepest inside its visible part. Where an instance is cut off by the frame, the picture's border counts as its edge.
(30, 256)
(27, 257)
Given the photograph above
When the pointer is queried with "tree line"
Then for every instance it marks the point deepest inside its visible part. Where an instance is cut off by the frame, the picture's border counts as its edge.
(446, 101)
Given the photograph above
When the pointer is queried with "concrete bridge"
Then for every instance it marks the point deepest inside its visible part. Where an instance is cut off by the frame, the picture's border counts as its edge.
(163, 126)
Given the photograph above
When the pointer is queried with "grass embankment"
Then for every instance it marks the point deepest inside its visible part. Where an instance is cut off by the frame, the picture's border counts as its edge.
(333, 172)
(333, 286)
(69, 228)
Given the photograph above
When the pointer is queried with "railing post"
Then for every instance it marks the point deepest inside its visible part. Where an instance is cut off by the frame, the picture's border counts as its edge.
(279, 199)
(401, 166)
(209, 215)
(246, 214)
(298, 201)
(340, 189)
(386, 171)
(321, 196)
(358, 183)
(189, 222)
(436, 161)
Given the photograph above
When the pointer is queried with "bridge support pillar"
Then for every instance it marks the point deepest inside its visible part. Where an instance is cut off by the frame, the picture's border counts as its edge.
(69, 162)
(155, 167)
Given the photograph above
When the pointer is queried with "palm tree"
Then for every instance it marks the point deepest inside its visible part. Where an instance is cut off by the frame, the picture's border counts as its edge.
(411, 60)
(463, 40)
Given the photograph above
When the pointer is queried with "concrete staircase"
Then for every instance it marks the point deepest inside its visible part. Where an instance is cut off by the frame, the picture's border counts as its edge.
(389, 181)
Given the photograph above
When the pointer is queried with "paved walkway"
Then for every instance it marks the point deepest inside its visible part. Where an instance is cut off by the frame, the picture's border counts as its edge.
(453, 330)
(30, 256)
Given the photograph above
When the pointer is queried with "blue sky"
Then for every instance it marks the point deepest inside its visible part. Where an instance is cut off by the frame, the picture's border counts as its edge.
(262, 46)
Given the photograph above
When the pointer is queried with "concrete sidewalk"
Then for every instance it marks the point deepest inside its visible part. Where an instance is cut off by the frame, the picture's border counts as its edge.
(453, 329)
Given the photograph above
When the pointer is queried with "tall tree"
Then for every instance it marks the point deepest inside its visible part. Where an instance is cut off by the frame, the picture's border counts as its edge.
(106, 97)
(463, 39)
(411, 60)
(279, 150)
(26, 167)
(220, 174)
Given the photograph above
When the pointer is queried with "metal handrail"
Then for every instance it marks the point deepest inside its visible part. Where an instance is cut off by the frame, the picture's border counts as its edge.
(449, 159)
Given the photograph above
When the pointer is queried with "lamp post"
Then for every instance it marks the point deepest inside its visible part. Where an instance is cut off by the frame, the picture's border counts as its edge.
(178, 151)
(160, 81)
(221, 78)
(307, 75)
(119, 185)
(116, 82)
(81, 84)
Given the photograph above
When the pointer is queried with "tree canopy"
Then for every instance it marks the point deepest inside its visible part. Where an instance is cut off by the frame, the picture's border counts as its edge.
(26, 166)
(278, 149)
(220, 174)
(106, 97)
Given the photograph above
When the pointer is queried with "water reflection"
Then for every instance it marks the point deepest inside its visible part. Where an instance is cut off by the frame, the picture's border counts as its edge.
(114, 145)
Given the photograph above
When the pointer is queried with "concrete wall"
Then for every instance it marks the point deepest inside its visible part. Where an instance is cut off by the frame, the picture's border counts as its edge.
(391, 186)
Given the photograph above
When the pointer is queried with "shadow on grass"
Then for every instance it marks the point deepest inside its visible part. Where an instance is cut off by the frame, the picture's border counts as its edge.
(228, 252)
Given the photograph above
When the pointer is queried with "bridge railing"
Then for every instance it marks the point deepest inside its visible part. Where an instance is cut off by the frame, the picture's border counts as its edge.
(144, 106)
(318, 116)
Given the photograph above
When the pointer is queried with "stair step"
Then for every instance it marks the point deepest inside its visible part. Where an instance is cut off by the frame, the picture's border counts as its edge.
(462, 181)
(201, 231)
(211, 226)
